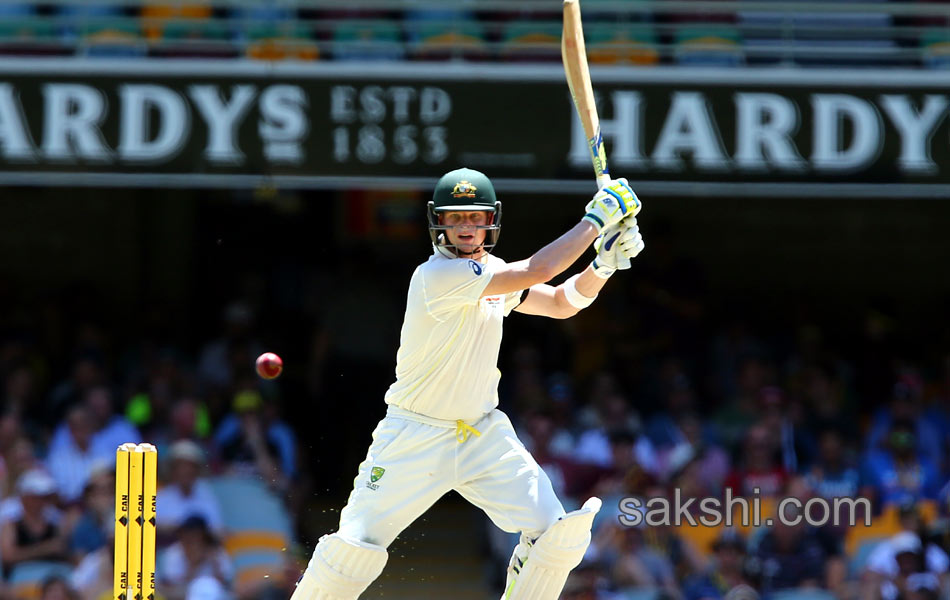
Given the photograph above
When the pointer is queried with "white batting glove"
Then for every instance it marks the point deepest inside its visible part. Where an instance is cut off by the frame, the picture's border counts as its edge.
(613, 202)
(616, 246)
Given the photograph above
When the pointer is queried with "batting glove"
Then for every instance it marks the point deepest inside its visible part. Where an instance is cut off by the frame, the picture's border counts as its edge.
(616, 246)
(612, 203)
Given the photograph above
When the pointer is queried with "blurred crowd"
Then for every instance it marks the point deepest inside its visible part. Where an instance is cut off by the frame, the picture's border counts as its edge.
(681, 396)
(59, 430)
(701, 408)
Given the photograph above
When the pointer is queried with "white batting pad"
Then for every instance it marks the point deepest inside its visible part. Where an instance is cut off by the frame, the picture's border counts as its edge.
(551, 558)
(340, 569)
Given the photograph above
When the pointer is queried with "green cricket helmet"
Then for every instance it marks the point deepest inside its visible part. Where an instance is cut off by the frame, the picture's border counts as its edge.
(464, 190)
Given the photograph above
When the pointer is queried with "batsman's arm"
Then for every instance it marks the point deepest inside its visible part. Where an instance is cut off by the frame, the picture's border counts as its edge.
(546, 264)
(551, 301)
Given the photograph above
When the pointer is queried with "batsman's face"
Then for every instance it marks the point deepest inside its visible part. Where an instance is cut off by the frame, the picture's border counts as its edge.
(464, 234)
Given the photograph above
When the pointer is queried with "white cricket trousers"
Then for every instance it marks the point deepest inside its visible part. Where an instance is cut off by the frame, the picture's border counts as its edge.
(414, 460)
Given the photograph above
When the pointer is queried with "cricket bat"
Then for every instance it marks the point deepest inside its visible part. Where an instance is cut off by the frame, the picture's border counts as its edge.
(574, 55)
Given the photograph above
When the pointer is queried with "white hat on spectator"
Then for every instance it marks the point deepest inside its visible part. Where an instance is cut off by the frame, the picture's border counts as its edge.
(36, 482)
(905, 541)
(187, 450)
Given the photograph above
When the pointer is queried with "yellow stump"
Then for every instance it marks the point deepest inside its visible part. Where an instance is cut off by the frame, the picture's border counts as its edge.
(120, 584)
(136, 482)
(149, 489)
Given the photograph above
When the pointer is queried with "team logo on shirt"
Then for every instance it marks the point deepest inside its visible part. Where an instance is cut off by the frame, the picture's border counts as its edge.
(463, 189)
(475, 267)
(375, 474)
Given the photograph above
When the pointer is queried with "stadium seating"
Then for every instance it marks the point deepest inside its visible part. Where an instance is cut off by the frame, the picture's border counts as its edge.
(708, 45)
(531, 41)
(820, 38)
(158, 15)
(631, 44)
(634, 32)
(272, 32)
(445, 34)
(194, 38)
(111, 38)
(24, 32)
(259, 527)
(935, 47)
(280, 41)
(367, 40)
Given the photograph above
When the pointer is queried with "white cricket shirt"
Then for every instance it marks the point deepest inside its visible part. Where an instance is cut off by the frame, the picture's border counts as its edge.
(447, 364)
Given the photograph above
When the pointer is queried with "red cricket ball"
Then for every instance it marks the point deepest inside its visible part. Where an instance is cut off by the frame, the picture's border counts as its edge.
(269, 365)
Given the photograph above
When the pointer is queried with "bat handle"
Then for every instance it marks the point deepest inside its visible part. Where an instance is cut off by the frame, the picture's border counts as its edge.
(602, 180)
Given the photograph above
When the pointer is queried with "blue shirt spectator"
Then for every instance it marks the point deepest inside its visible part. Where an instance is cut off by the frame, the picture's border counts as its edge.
(898, 471)
(91, 531)
(70, 461)
(110, 430)
(905, 405)
(830, 476)
(236, 434)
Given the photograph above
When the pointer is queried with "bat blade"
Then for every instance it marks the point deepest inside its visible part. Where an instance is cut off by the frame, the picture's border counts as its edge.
(574, 56)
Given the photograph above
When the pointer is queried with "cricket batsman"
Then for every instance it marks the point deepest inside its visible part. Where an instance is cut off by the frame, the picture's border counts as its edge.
(442, 430)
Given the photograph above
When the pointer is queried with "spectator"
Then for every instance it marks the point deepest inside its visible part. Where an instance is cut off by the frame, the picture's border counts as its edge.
(823, 398)
(186, 493)
(109, 430)
(783, 419)
(20, 389)
(222, 360)
(906, 405)
(70, 462)
(98, 512)
(187, 420)
(195, 563)
(741, 410)
(18, 459)
(677, 398)
(631, 562)
(34, 534)
(93, 576)
(897, 470)
(57, 588)
(791, 556)
(894, 560)
(87, 373)
(831, 476)
(593, 445)
(625, 468)
(250, 441)
(11, 430)
(696, 446)
(725, 573)
(759, 469)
